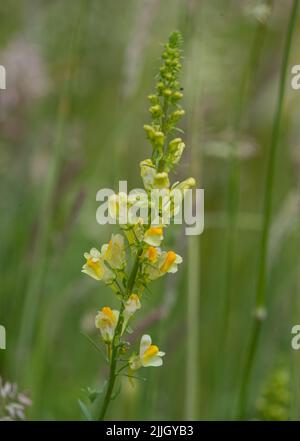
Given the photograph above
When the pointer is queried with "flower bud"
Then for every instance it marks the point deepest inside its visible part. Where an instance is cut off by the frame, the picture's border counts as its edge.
(153, 99)
(175, 150)
(148, 172)
(167, 92)
(178, 114)
(161, 180)
(149, 130)
(186, 185)
(156, 110)
(177, 96)
(159, 138)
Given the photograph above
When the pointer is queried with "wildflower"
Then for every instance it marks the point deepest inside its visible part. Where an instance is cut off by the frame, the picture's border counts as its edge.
(154, 236)
(184, 185)
(149, 355)
(142, 223)
(117, 205)
(161, 180)
(138, 206)
(157, 263)
(148, 172)
(151, 254)
(160, 262)
(132, 305)
(96, 268)
(114, 252)
(171, 260)
(175, 150)
(106, 320)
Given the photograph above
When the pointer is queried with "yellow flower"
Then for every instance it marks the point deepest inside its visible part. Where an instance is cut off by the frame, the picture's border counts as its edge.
(171, 260)
(106, 320)
(132, 305)
(114, 252)
(96, 268)
(148, 172)
(154, 236)
(149, 355)
(151, 254)
(165, 262)
(175, 150)
(117, 206)
(161, 180)
(184, 185)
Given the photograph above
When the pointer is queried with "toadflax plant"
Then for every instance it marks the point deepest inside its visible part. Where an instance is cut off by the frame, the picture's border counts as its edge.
(134, 258)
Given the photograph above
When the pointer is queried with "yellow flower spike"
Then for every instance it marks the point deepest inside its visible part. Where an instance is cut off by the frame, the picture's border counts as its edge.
(154, 236)
(106, 321)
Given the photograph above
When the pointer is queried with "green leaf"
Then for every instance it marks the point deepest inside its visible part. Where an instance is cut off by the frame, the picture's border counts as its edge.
(85, 411)
(95, 345)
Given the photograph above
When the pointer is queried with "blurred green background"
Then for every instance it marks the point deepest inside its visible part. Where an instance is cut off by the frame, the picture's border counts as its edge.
(71, 118)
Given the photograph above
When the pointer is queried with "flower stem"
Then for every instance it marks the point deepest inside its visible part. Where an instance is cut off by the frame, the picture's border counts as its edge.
(115, 346)
(113, 363)
(260, 304)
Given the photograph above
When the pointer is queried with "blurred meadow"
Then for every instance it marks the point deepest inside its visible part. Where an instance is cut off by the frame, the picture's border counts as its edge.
(71, 123)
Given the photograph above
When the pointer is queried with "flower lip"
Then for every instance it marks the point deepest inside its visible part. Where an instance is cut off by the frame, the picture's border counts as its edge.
(170, 259)
(154, 236)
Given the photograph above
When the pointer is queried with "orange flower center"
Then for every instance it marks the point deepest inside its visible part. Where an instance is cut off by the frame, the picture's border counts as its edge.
(108, 312)
(156, 231)
(150, 352)
(152, 254)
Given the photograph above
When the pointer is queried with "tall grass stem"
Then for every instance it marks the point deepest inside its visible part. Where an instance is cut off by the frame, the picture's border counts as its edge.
(260, 305)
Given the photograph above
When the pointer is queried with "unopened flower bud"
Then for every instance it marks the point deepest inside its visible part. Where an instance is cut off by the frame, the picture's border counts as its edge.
(177, 96)
(161, 180)
(153, 99)
(159, 137)
(175, 150)
(178, 114)
(167, 92)
(155, 110)
(160, 86)
(149, 130)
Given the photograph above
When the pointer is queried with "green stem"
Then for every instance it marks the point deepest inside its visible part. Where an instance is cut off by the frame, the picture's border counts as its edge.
(234, 179)
(269, 187)
(116, 340)
(233, 195)
(113, 363)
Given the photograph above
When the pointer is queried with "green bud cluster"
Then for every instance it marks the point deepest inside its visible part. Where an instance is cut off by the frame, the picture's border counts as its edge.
(165, 109)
